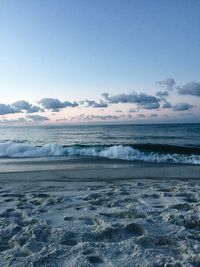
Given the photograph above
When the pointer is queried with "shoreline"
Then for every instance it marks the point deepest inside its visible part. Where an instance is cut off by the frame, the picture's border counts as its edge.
(99, 169)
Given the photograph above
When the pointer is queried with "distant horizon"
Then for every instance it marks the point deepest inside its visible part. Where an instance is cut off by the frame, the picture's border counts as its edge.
(98, 124)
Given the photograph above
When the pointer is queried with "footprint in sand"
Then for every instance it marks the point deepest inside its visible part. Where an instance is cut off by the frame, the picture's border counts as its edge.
(120, 233)
(95, 259)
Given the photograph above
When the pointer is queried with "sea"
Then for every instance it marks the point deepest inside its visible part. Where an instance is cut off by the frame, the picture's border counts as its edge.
(171, 143)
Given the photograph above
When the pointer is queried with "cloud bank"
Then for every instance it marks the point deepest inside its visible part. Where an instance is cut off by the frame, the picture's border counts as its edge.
(142, 104)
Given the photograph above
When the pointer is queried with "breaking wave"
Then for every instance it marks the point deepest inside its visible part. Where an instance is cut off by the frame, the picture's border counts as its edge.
(122, 152)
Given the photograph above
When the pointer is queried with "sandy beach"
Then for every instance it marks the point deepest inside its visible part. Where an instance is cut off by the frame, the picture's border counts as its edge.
(99, 133)
(99, 214)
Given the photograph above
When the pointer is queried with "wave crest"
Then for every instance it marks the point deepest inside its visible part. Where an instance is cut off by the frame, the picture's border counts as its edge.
(122, 152)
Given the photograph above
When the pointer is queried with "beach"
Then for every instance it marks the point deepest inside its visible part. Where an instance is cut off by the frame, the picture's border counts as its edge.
(99, 133)
(99, 213)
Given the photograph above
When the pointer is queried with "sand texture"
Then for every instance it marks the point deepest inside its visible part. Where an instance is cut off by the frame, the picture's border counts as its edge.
(49, 219)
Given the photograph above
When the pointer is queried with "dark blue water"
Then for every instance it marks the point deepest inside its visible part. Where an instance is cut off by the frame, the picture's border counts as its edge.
(158, 142)
(173, 134)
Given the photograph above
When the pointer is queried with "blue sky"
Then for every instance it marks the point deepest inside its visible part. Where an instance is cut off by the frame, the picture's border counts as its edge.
(74, 50)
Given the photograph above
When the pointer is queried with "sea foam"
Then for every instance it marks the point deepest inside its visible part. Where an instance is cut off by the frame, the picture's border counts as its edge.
(122, 152)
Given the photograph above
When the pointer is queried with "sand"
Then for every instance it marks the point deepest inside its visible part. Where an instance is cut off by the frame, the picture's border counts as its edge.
(100, 214)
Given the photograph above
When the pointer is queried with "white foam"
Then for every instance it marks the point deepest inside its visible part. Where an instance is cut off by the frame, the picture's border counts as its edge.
(10, 149)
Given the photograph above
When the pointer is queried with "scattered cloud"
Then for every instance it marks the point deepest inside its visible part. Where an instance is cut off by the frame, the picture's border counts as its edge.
(103, 117)
(168, 84)
(154, 105)
(142, 100)
(133, 110)
(7, 109)
(139, 102)
(162, 95)
(191, 88)
(55, 105)
(36, 118)
(94, 104)
(27, 118)
(23, 105)
(96, 117)
(70, 104)
(13, 121)
(167, 105)
(34, 109)
(136, 98)
(182, 107)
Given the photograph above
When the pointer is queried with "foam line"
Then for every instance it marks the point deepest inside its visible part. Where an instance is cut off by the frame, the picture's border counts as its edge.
(11, 149)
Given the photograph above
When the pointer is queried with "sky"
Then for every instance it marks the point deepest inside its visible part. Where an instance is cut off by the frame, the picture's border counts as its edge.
(95, 61)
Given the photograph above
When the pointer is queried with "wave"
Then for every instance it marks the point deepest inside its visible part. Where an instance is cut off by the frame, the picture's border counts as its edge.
(163, 148)
(122, 152)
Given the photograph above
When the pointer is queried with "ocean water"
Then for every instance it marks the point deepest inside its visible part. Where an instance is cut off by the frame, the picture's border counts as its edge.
(172, 143)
